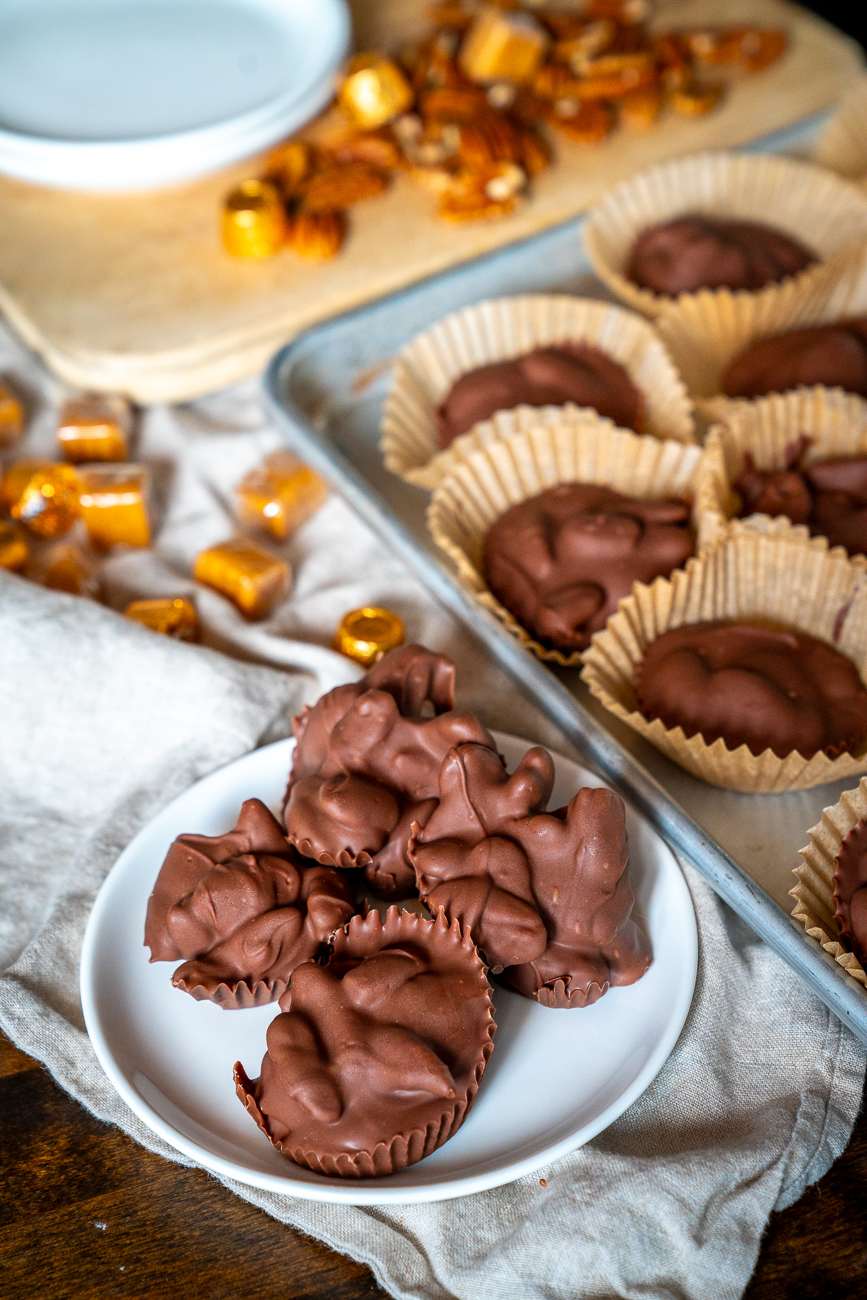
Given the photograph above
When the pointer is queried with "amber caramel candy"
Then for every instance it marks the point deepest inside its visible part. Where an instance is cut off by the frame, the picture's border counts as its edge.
(365, 634)
(502, 46)
(65, 567)
(93, 428)
(173, 616)
(114, 505)
(254, 220)
(14, 551)
(49, 501)
(374, 91)
(251, 577)
(280, 496)
(11, 417)
(15, 480)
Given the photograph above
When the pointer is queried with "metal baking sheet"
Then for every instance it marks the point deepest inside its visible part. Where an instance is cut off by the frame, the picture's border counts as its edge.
(326, 391)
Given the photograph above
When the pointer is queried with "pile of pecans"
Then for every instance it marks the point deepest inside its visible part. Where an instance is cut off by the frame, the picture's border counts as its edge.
(467, 113)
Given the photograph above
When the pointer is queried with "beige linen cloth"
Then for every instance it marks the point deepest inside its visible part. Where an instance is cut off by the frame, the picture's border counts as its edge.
(102, 723)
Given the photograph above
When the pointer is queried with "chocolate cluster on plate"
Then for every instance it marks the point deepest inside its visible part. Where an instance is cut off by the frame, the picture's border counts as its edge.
(386, 1026)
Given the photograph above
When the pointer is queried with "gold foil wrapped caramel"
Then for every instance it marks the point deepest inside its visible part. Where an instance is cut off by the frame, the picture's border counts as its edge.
(169, 616)
(48, 503)
(254, 220)
(365, 634)
(374, 91)
(251, 577)
(503, 46)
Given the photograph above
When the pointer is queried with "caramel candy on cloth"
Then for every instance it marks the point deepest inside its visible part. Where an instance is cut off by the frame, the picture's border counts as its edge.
(94, 428)
(695, 252)
(545, 894)
(16, 478)
(279, 496)
(754, 684)
(850, 889)
(548, 376)
(14, 551)
(114, 505)
(834, 355)
(242, 910)
(170, 616)
(560, 561)
(65, 567)
(251, 577)
(367, 764)
(377, 1056)
(11, 417)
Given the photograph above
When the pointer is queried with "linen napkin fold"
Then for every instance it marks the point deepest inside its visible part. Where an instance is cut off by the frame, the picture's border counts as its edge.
(102, 723)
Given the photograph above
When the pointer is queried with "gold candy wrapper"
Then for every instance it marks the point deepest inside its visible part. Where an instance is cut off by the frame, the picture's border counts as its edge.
(366, 634)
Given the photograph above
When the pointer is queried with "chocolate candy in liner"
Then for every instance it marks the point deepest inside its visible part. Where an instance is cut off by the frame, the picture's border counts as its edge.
(696, 252)
(547, 376)
(562, 560)
(367, 764)
(545, 894)
(834, 355)
(242, 910)
(850, 889)
(754, 684)
(378, 1055)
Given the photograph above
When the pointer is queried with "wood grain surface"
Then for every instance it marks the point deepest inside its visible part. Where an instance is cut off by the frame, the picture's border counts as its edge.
(134, 292)
(86, 1214)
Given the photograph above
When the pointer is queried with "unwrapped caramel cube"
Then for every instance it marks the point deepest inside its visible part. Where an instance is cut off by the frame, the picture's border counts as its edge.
(94, 428)
(65, 567)
(173, 616)
(503, 46)
(11, 417)
(49, 501)
(368, 633)
(374, 91)
(14, 551)
(251, 577)
(114, 505)
(280, 496)
(254, 220)
(15, 480)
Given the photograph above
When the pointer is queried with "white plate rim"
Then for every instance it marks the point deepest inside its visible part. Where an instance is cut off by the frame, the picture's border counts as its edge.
(373, 1192)
(145, 162)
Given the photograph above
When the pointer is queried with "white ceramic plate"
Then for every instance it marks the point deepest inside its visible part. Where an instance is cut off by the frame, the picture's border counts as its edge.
(131, 94)
(555, 1078)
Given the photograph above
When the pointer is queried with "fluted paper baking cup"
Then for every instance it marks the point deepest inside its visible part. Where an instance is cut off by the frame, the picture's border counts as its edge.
(503, 328)
(703, 338)
(842, 146)
(521, 456)
(834, 421)
(780, 576)
(814, 893)
(816, 207)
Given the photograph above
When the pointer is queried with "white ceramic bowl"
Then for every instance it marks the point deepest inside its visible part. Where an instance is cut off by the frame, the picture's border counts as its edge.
(133, 94)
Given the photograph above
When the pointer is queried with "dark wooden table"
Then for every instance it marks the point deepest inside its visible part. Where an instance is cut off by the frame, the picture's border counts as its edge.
(85, 1214)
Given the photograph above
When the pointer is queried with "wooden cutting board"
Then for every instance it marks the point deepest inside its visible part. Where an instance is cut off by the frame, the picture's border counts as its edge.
(134, 294)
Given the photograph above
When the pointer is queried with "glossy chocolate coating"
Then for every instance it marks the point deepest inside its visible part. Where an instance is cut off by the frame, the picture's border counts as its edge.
(562, 560)
(548, 376)
(377, 1056)
(243, 910)
(850, 889)
(367, 764)
(834, 355)
(829, 496)
(757, 685)
(696, 252)
(546, 894)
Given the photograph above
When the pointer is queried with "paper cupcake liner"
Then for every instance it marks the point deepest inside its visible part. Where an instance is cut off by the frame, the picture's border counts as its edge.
(704, 336)
(503, 328)
(363, 937)
(781, 576)
(842, 145)
(521, 456)
(826, 213)
(814, 893)
(836, 423)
